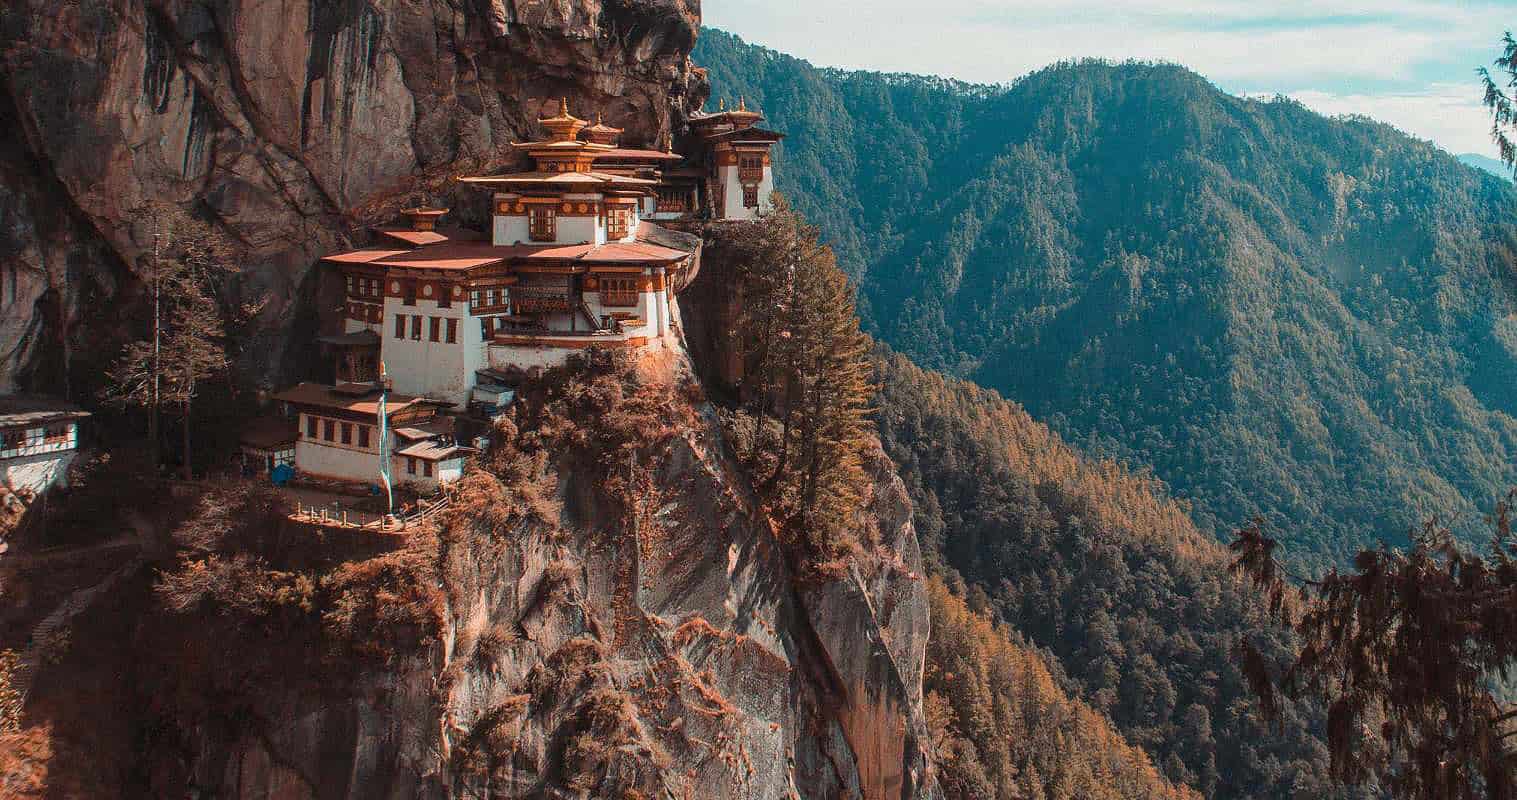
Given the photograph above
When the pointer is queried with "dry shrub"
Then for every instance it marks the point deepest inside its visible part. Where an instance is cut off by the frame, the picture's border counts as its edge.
(24, 759)
(10, 695)
(389, 605)
(495, 644)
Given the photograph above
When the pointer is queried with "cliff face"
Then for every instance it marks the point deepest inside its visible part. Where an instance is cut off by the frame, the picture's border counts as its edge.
(617, 621)
(292, 124)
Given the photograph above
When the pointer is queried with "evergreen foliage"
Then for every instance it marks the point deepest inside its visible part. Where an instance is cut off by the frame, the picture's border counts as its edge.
(802, 426)
(1418, 641)
(1096, 566)
(1499, 89)
(1287, 316)
(1003, 729)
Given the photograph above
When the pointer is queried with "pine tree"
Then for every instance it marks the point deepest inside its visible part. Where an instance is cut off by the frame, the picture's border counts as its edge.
(1499, 99)
(1417, 640)
(807, 382)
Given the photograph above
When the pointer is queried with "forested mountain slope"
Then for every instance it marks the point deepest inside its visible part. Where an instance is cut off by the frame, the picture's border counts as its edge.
(1100, 568)
(1284, 315)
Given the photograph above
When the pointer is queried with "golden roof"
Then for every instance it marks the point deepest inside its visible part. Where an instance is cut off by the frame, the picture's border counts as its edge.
(565, 126)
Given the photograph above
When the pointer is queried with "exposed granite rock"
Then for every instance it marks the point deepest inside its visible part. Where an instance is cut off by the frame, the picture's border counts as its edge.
(292, 123)
(664, 651)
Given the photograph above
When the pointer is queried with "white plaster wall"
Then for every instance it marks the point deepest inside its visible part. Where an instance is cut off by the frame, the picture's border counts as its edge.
(336, 460)
(766, 191)
(510, 229)
(37, 472)
(433, 369)
(576, 230)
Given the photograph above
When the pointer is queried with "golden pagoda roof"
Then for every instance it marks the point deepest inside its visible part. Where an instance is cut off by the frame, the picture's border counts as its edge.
(564, 126)
(601, 133)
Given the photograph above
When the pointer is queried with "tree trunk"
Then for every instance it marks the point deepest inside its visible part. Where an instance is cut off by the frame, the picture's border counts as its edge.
(188, 474)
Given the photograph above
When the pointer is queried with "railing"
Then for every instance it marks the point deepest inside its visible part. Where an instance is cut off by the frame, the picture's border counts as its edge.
(531, 299)
(618, 297)
(367, 521)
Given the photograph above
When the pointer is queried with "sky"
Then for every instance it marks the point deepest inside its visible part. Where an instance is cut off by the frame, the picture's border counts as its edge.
(1410, 63)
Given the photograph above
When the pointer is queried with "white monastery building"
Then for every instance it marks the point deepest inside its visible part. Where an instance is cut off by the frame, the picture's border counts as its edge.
(573, 259)
(38, 440)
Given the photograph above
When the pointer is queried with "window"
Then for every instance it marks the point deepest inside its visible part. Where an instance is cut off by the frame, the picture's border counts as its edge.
(416, 327)
(328, 430)
(350, 284)
(408, 292)
(426, 469)
(452, 331)
(347, 433)
(10, 440)
(363, 436)
(400, 326)
(444, 295)
(57, 434)
(410, 465)
(484, 326)
(476, 299)
(618, 220)
(310, 427)
(618, 291)
(434, 332)
(542, 223)
(750, 196)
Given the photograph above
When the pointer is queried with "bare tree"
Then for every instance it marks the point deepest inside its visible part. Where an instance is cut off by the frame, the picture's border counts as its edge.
(186, 341)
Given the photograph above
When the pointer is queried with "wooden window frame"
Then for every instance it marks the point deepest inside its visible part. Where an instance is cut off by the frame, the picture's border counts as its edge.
(363, 436)
(452, 333)
(347, 433)
(410, 465)
(311, 425)
(426, 469)
(542, 222)
(434, 329)
(415, 327)
(328, 430)
(619, 292)
(618, 223)
(750, 196)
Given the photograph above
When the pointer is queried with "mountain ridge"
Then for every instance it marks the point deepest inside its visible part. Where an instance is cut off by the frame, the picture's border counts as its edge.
(1282, 315)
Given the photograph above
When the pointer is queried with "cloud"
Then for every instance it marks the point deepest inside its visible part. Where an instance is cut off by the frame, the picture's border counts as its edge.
(1448, 114)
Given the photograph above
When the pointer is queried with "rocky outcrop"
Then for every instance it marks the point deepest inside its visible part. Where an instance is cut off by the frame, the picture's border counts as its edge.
(291, 124)
(644, 636)
(668, 654)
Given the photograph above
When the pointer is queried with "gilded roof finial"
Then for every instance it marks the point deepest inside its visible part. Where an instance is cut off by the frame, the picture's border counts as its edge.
(742, 103)
(722, 104)
(563, 106)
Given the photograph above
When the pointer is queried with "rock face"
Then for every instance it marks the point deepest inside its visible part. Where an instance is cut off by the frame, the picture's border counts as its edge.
(663, 653)
(291, 124)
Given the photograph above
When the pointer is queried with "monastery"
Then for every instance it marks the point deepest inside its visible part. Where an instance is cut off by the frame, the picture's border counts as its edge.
(441, 323)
